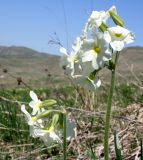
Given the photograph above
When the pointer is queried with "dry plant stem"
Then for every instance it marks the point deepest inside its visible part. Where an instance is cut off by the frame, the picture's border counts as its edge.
(64, 139)
(108, 112)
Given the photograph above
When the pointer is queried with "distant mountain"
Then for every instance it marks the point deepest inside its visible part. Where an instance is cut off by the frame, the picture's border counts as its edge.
(21, 52)
(35, 67)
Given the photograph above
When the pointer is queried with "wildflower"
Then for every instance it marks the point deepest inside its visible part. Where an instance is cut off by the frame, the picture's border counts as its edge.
(87, 83)
(37, 128)
(96, 51)
(46, 135)
(117, 37)
(48, 132)
(29, 118)
(35, 104)
(95, 20)
(68, 61)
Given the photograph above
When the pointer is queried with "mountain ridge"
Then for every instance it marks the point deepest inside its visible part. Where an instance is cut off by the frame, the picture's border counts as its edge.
(35, 67)
(21, 52)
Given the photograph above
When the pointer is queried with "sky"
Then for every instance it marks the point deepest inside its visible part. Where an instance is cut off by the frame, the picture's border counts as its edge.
(33, 23)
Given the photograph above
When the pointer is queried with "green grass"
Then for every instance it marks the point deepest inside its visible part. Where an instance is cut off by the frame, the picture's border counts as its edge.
(15, 141)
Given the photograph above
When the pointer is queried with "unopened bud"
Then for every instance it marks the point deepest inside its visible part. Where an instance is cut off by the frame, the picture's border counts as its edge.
(46, 113)
(55, 119)
(103, 27)
(42, 115)
(116, 18)
(48, 103)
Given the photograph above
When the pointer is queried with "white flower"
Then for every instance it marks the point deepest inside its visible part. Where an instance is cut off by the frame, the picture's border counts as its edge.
(37, 128)
(77, 44)
(46, 135)
(29, 118)
(87, 83)
(96, 51)
(35, 103)
(95, 20)
(49, 137)
(68, 61)
(86, 68)
(118, 37)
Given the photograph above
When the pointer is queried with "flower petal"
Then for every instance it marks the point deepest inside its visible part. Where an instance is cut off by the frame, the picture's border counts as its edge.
(36, 131)
(33, 96)
(129, 38)
(88, 56)
(117, 45)
(63, 50)
(28, 117)
(55, 137)
(32, 104)
(107, 37)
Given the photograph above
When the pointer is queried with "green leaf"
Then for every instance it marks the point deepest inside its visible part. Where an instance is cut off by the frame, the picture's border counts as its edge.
(117, 147)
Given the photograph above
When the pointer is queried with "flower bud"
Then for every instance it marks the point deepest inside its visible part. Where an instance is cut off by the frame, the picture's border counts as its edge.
(55, 119)
(48, 103)
(103, 27)
(42, 115)
(45, 114)
(116, 18)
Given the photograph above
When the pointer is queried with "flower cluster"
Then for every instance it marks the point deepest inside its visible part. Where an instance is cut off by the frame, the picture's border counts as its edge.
(95, 48)
(46, 120)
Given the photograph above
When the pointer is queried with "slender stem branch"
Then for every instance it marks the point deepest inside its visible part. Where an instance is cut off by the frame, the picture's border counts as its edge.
(108, 112)
(64, 139)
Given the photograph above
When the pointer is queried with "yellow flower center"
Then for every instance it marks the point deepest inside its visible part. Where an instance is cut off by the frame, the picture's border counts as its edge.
(34, 119)
(118, 35)
(73, 58)
(39, 105)
(97, 50)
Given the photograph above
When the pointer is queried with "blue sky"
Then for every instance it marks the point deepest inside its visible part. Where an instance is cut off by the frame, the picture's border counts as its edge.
(32, 23)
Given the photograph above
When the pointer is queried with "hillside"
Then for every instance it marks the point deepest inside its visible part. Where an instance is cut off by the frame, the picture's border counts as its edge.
(131, 60)
(32, 66)
(19, 52)
(35, 67)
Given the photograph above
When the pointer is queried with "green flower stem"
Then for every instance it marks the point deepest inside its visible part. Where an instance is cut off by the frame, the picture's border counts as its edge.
(64, 139)
(108, 112)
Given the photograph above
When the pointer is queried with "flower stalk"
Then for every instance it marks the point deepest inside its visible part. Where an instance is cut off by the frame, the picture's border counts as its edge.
(109, 106)
(64, 139)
